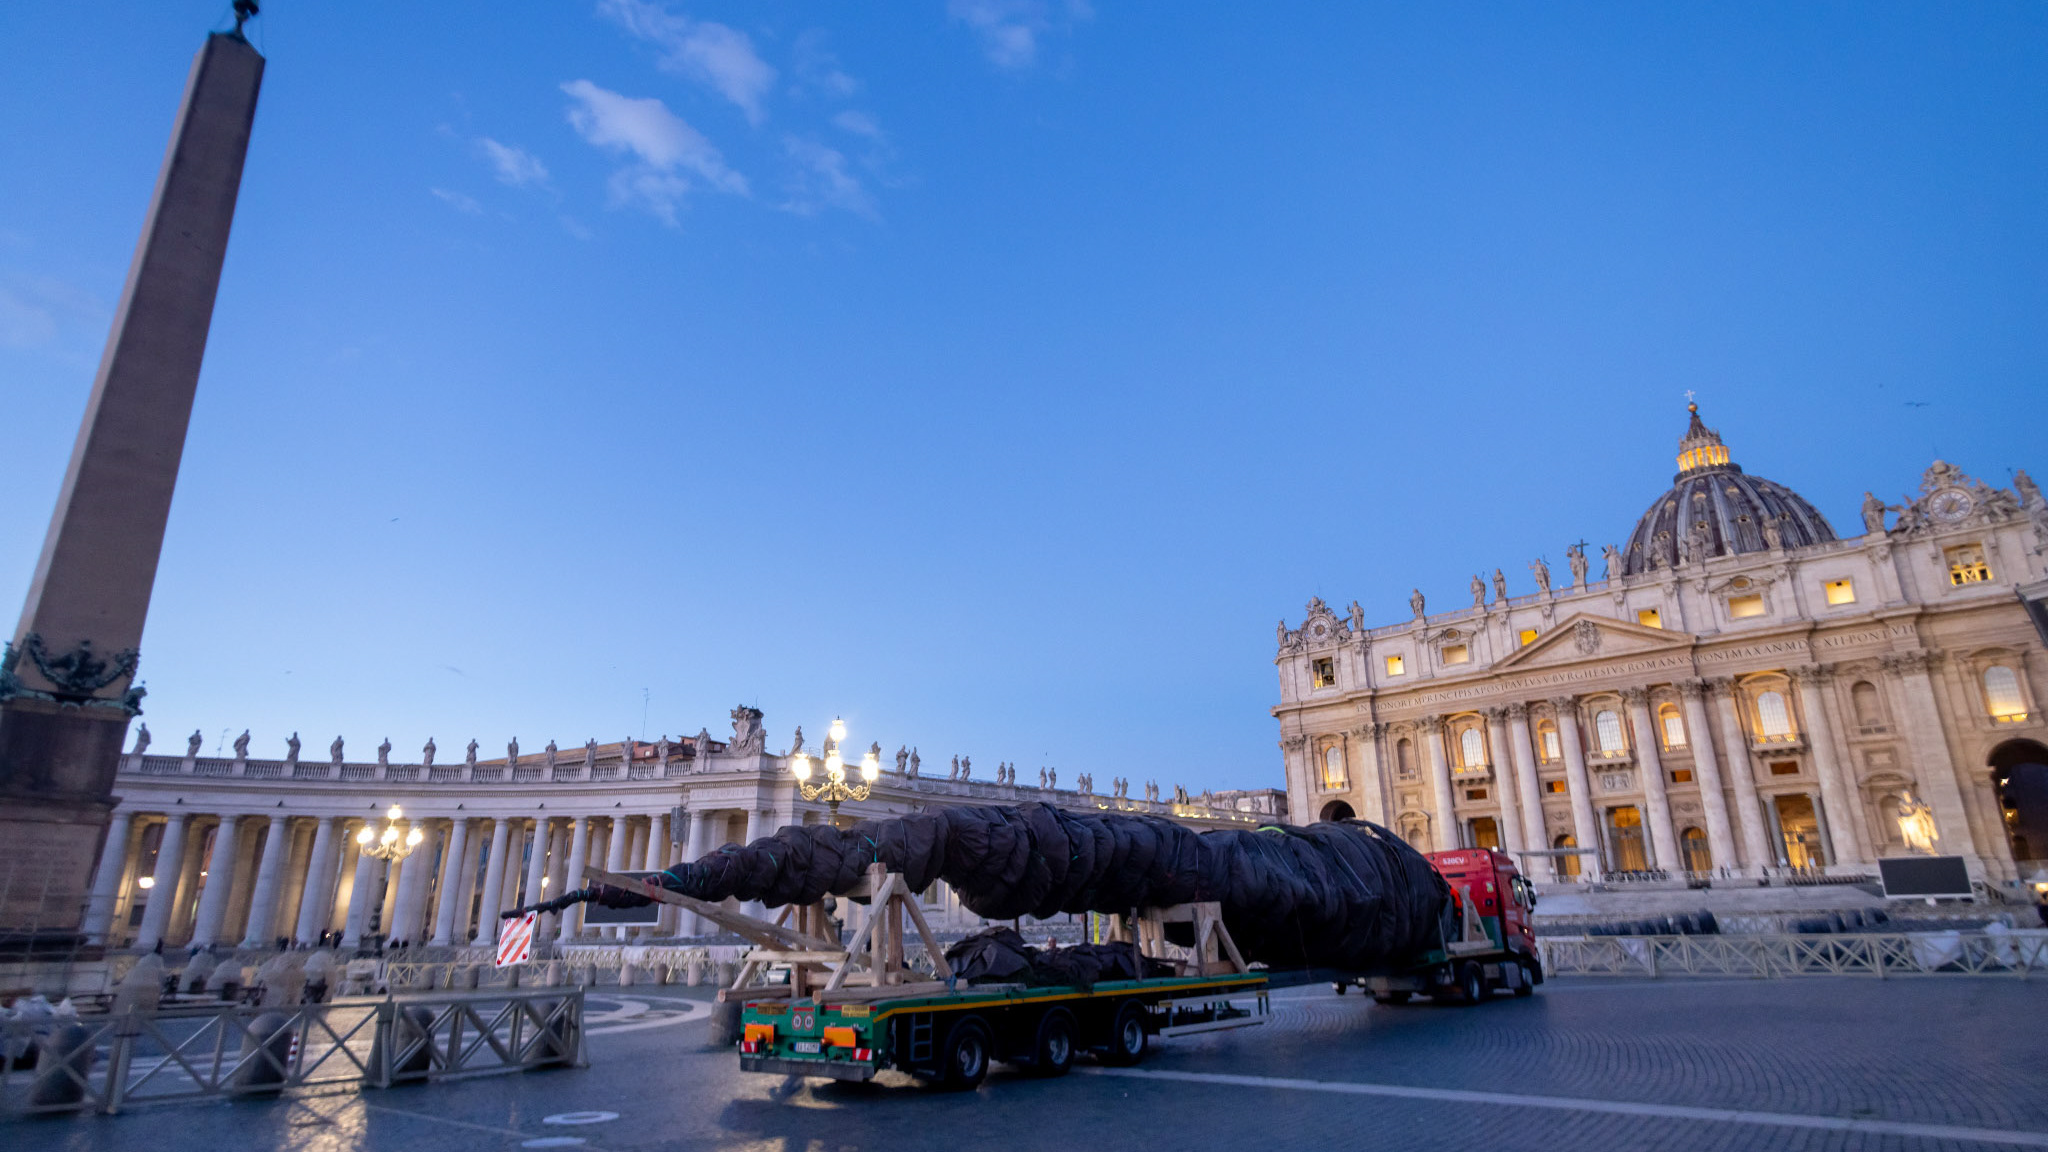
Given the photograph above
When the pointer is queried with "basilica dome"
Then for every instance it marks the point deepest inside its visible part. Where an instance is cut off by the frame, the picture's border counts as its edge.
(1715, 509)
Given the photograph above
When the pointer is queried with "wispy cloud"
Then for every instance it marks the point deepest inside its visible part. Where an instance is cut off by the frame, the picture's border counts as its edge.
(458, 201)
(717, 56)
(823, 181)
(858, 123)
(1010, 31)
(512, 164)
(817, 68)
(665, 149)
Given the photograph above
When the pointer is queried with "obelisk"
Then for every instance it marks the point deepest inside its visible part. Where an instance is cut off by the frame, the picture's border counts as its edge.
(67, 677)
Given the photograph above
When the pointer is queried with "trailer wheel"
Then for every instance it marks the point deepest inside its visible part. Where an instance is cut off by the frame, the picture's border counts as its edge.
(1053, 1053)
(1127, 1037)
(964, 1062)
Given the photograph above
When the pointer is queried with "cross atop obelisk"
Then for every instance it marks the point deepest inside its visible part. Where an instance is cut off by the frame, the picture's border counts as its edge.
(67, 675)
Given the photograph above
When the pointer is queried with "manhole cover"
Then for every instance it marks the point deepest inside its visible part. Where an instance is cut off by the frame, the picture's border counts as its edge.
(580, 1117)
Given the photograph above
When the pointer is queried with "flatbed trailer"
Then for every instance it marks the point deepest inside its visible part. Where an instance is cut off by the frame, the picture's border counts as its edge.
(951, 1037)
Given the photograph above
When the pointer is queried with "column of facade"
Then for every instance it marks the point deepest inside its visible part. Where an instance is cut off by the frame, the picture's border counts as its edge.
(106, 880)
(362, 897)
(617, 843)
(469, 882)
(220, 884)
(1706, 768)
(493, 899)
(450, 903)
(1585, 824)
(185, 908)
(1757, 851)
(1504, 779)
(261, 929)
(163, 892)
(1445, 834)
(1372, 800)
(537, 838)
(314, 903)
(1663, 840)
(1933, 767)
(579, 854)
(1844, 816)
(1522, 750)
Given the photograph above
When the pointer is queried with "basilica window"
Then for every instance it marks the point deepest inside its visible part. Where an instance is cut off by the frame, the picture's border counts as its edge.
(2002, 695)
(1841, 591)
(1333, 767)
(1607, 732)
(1745, 607)
(1471, 749)
(1528, 637)
(1457, 654)
(1649, 618)
(1567, 865)
(1698, 857)
(1773, 716)
(1396, 666)
(1325, 673)
(1555, 787)
(1966, 565)
(1553, 749)
(1671, 726)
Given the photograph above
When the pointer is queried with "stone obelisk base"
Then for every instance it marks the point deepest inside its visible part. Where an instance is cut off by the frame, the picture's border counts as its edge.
(56, 776)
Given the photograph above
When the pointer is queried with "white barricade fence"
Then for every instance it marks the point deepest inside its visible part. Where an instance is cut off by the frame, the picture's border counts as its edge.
(1994, 950)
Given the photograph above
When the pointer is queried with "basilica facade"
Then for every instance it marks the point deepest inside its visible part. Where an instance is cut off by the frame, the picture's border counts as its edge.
(1740, 692)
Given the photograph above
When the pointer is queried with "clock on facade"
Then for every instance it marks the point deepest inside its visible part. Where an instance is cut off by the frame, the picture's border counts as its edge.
(1950, 505)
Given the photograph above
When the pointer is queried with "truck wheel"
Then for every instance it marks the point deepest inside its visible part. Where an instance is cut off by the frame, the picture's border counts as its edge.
(1526, 986)
(1471, 984)
(1127, 1038)
(1341, 987)
(1053, 1054)
(965, 1060)
(1391, 998)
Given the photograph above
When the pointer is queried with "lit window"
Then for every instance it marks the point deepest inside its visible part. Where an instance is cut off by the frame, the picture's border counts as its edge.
(1966, 565)
(1649, 618)
(1396, 666)
(1528, 637)
(1471, 748)
(1743, 607)
(1552, 749)
(1333, 767)
(1841, 591)
(1681, 775)
(1554, 787)
(1773, 718)
(1674, 728)
(1784, 767)
(2002, 695)
(1457, 654)
(1475, 793)
(1607, 731)
(1326, 673)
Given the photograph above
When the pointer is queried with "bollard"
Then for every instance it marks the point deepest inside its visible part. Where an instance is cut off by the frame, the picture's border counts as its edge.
(625, 975)
(266, 1052)
(64, 1067)
(693, 971)
(143, 988)
(410, 1024)
(663, 974)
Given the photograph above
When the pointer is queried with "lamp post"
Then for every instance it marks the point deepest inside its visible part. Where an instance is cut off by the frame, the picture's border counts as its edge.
(390, 844)
(834, 787)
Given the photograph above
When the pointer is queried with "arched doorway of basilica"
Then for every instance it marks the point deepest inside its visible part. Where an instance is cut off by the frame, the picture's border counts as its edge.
(2019, 770)
(1338, 810)
(1485, 832)
(1568, 864)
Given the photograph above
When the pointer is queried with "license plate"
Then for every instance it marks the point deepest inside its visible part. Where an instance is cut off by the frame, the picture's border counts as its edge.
(806, 1047)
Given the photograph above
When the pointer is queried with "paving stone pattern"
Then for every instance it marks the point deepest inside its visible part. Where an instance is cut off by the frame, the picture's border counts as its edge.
(1965, 1052)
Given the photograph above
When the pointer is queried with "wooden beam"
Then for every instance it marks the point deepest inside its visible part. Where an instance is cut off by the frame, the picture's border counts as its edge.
(739, 923)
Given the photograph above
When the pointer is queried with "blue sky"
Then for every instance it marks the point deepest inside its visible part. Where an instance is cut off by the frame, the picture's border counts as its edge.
(991, 373)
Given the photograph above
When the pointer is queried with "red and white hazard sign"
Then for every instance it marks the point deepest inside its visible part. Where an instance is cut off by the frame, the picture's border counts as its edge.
(515, 941)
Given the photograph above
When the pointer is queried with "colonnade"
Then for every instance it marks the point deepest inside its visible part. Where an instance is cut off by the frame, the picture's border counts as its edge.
(253, 880)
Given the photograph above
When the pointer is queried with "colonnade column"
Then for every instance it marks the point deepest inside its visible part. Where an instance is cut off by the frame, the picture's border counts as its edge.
(163, 892)
(1749, 811)
(654, 858)
(1663, 841)
(320, 868)
(492, 900)
(757, 827)
(1523, 752)
(1585, 824)
(1707, 768)
(1933, 767)
(536, 863)
(106, 882)
(220, 883)
(1504, 780)
(1844, 814)
(615, 848)
(277, 844)
(689, 923)
(458, 865)
(361, 896)
(1446, 831)
(579, 854)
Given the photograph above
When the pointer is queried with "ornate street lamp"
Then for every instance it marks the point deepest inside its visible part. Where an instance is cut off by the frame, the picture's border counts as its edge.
(390, 844)
(834, 788)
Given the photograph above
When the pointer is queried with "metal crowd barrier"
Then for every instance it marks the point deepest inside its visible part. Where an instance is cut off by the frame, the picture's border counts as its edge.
(1771, 956)
(107, 1063)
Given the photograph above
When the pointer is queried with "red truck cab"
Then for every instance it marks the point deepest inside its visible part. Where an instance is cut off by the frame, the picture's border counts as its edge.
(1502, 897)
(1489, 942)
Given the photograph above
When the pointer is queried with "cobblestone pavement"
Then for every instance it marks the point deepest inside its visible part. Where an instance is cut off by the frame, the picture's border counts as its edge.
(1791, 1064)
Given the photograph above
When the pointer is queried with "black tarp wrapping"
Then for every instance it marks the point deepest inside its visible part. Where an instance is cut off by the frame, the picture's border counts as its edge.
(999, 955)
(1346, 895)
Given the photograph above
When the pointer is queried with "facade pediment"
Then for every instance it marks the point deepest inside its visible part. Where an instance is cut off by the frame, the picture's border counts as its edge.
(1580, 637)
